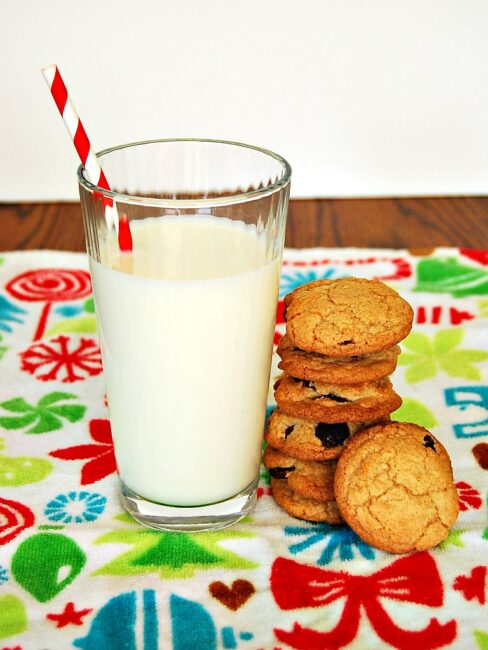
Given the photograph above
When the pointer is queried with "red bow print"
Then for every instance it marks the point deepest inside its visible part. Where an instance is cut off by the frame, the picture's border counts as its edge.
(414, 579)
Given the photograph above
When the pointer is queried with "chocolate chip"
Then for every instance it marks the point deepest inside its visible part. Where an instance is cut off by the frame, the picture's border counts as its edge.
(429, 442)
(332, 435)
(289, 430)
(332, 396)
(347, 342)
(281, 472)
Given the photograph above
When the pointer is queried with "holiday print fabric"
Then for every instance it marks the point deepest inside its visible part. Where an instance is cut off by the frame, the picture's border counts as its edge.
(77, 572)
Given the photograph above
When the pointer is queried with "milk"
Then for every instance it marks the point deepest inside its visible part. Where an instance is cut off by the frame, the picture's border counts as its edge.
(186, 332)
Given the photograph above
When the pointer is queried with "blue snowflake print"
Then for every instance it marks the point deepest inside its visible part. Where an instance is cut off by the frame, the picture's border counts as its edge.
(336, 538)
(9, 314)
(290, 281)
(75, 507)
(3, 575)
(69, 310)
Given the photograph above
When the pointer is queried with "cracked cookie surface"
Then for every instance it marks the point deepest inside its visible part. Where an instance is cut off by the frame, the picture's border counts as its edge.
(308, 509)
(345, 370)
(346, 317)
(395, 489)
(309, 439)
(336, 402)
(310, 479)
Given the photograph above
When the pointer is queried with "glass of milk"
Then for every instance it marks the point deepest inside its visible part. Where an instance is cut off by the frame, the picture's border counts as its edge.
(186, 320)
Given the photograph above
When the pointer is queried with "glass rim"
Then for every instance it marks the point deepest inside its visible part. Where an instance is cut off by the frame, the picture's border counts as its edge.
(229, 199)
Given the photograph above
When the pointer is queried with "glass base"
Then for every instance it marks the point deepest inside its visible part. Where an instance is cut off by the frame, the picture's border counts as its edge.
(189, 519)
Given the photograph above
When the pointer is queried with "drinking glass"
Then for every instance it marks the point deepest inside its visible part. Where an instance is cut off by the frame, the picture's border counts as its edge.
(185, 255)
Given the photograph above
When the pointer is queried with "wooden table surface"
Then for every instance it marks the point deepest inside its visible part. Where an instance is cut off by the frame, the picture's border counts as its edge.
(381, 223)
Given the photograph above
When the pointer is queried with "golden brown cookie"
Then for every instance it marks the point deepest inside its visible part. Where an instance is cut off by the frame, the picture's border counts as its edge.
(307, 478)
(394, 487)
(346, 317)
(308, 509)
(309, 439)
(336, 402)
(334, 370)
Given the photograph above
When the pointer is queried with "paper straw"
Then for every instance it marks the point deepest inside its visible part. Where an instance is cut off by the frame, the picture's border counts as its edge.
(88, 158)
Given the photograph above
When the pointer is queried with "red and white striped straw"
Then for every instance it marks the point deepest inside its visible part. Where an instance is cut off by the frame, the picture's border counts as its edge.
(84, 149)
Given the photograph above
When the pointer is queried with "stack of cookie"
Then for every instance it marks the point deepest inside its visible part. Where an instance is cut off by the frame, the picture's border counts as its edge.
(339, 350)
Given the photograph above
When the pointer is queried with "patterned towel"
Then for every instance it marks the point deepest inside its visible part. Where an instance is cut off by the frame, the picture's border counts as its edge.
(75, 571)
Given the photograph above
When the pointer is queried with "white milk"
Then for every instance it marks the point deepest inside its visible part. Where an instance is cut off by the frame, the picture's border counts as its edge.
(186, 343)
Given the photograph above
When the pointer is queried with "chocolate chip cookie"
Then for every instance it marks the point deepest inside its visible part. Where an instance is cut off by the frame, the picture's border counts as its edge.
(336, 402)
(309, 439)
(309, 479)
(308, 509)
(395, 489)
(334, 370)
(346, 317)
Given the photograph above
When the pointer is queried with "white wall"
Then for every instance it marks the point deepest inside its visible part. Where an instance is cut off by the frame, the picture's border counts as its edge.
(363, 97)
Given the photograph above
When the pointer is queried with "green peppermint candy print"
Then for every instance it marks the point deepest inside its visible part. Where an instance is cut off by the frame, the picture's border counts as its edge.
(47, 415)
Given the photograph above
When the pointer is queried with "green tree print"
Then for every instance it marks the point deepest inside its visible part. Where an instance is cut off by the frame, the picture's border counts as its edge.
(172, 555)
(426, 356)
(46, 415)
(454, 538)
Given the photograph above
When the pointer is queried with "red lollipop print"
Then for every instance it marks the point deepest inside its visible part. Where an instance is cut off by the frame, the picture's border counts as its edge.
(49, 286)
(14, 518)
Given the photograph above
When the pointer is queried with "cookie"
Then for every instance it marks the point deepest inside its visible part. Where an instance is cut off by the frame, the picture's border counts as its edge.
(336, 402)
(307, 478)
(308, 439)
(346, 370)
(394, 487)
(308, 509)
(346, 317)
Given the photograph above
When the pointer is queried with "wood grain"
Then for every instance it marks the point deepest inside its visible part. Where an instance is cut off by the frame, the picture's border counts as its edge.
(389, 223)
(382, 223)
